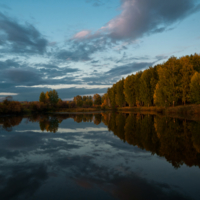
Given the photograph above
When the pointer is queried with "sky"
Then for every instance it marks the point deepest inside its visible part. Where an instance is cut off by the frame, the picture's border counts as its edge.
(82, 47)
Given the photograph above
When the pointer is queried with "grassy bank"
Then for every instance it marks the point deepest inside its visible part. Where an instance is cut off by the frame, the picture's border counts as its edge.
(192, 109)
(143, 109)
(78, 109)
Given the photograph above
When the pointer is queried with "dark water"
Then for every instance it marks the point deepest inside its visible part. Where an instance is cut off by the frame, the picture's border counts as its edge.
(101, 156)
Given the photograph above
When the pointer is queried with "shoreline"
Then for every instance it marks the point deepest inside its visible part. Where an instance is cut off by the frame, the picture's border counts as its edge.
(184, 110)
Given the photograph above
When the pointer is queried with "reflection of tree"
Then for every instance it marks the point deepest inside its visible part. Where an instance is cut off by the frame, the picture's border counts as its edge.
(195, 129)
(50, 124)
(120, 123)
(132, 130)
(97, 119)
(176, 140)
(78, 118)
(42, 125)
(87, 117)
(105, 118)
(112, 123)
(9, 122)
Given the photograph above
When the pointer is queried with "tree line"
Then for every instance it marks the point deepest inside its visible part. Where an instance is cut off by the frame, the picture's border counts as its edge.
(174, 82)
(51, 98)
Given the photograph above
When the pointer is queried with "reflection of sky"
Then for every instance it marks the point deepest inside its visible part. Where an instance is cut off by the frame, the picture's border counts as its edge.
(86, 161)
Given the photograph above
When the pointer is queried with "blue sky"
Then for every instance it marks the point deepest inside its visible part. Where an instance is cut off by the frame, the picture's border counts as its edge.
(84, 46)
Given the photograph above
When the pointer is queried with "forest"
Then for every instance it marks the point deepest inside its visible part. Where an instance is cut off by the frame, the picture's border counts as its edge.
(174, 82)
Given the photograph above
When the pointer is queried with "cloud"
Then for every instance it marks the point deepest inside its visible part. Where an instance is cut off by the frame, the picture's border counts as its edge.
(97, 3)
(7, 94)
(9, 63)
(129, 68)
(82, 34)
(22, 76)
(14, 72)
(143, 17)
(18, 38)
(53, 71)
(65, 86)
(114, 74)
(82, 50)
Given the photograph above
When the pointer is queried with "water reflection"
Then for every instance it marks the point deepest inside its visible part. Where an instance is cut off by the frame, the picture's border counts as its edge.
(8, 122)
(85, 161)
(177, 140)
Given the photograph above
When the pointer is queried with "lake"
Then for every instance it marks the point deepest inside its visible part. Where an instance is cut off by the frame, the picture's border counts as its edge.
(99, 156)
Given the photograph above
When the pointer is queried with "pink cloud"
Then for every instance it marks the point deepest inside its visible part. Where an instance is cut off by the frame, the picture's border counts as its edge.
(142, 17)
(82, 34)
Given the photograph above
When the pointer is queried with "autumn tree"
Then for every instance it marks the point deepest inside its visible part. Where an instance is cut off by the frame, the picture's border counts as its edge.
(129, 90)
(78, 100)
(53, 97)
(105, 100)
(148, 82)
(168, 89)
(111, 95)
(120, 97)
(47, 97)
(195, 88)
(187, 72)
(97, 99)
(195, 61)
(87, 101)
(42, 97)
(137, 88)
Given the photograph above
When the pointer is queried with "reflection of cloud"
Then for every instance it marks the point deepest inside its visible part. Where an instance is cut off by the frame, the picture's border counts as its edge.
(125, 186)
(23, 181)
(68, 130)
(84, 184)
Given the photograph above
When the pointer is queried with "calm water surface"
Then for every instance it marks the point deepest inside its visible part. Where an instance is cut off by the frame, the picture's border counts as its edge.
(100, 156)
